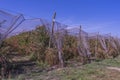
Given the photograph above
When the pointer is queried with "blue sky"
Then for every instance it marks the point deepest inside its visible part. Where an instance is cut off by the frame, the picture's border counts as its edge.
(94, 15)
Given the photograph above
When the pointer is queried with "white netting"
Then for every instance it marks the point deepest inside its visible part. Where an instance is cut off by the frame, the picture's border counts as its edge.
(112, 42)
(8, 23)
(83, 44)
(117, 40)
(14, 24)
(102, 42)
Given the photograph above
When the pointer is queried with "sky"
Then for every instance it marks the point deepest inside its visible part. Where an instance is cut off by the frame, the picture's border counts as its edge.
(93, 15)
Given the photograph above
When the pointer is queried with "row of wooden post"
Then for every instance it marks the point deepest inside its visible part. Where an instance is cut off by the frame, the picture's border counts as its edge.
(80, 45)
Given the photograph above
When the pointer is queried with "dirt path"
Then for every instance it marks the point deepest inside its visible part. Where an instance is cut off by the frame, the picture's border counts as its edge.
(114, 68)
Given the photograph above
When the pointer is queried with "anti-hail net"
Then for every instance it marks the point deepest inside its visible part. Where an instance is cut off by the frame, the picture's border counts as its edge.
(8, 23)
(12, 24)
(102, 42)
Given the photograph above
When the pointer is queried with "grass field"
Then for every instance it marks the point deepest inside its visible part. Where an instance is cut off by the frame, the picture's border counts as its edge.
(33, 46)
(108, 69)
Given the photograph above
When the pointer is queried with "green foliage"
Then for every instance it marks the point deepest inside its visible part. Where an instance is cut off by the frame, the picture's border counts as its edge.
(70, 47)
(35, 43)
(93, 71)
(51, 56)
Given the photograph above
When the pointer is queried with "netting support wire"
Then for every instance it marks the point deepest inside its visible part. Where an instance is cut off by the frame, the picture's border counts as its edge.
(2, 22)
(10, 28)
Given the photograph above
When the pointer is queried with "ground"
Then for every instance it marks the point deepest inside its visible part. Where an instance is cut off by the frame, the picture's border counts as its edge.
(108, 69)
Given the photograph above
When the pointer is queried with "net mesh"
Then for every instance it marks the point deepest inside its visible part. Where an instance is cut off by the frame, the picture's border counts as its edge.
(13, 24)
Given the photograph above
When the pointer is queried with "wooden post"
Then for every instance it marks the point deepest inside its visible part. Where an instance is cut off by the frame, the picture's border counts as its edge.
(96, 45)
(60, 58)
(80, 31)
(52, 33)
(80, 46)
(56, 38)
(80, 37)
(53, 22)
(79, 42)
